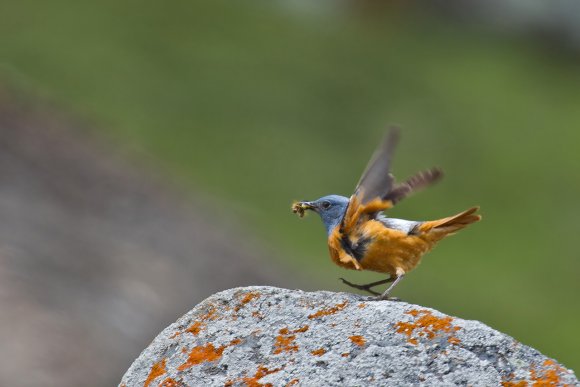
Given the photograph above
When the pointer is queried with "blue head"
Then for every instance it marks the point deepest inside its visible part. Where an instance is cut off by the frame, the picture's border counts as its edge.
(331, 209)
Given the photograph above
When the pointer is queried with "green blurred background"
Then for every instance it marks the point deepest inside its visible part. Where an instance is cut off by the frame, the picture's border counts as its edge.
(252, 105)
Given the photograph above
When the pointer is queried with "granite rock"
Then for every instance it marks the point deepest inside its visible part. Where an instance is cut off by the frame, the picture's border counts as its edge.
(265, 336)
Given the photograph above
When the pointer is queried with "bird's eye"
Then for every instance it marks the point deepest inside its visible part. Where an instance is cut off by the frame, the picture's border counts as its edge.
(325, 205)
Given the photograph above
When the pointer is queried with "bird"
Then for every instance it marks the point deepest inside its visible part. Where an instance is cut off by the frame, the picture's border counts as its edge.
(361, 236)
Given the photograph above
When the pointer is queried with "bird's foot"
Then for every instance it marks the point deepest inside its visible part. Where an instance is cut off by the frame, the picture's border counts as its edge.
(366, 287)
(385, 295)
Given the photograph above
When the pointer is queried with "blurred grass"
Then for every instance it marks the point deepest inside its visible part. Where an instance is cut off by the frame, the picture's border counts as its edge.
(257, 107)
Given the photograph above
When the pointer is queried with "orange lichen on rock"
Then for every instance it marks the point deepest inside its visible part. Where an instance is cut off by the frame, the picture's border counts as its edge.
(205, 353)
(260, 373)
(285, 344)
(257, 315)
(195, 328)
(248, 297)
(318, 352)
(521, 383)
(549, 376)
(329, 311)
(412, 341)
(358, 340)
(428, 325)
(198, 325)
(170, 382)
(254, 381)
(234, 342)
(157, 370)
(211, 314)
(293, 382)
(546, 376)
(453, 340)
(362, 305)
(346, 354)
(285, 341)
(202, 354)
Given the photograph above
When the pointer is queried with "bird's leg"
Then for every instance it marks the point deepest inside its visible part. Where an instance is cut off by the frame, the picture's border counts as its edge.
(385, 295)
(367, 287)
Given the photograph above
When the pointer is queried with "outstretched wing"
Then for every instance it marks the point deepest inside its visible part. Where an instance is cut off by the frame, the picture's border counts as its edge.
(376, 181)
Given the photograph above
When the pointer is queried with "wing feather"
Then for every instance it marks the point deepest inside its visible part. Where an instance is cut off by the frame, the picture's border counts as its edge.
(414, 183)
(377, 180)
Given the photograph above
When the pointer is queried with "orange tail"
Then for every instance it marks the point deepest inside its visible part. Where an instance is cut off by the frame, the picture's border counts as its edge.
(447, 226)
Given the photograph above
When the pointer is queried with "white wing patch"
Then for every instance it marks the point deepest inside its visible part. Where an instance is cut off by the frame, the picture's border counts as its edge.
(403, 225)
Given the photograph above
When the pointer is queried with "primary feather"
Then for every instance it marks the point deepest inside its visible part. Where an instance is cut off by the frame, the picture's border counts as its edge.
(376, 181)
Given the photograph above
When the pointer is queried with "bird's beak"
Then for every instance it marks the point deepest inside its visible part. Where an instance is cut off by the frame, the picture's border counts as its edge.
(300, 207)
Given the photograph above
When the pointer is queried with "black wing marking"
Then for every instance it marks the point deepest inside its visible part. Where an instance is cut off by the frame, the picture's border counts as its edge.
(357, 249)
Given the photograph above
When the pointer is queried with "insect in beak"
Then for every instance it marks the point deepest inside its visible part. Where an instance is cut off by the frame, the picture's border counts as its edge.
(300, 207)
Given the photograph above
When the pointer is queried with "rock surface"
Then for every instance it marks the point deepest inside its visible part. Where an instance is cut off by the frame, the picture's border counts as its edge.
(264, 336)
